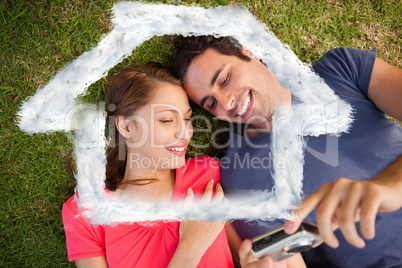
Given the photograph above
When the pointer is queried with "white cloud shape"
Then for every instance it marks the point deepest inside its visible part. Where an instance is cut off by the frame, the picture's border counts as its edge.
(53, 108)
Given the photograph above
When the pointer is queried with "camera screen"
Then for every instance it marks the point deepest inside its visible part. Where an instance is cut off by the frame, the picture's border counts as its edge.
(309, 228)
(279, 235)
(268, 240)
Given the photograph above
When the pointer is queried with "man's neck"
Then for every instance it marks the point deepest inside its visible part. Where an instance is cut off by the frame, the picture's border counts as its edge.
(284, 102)
(254, 131)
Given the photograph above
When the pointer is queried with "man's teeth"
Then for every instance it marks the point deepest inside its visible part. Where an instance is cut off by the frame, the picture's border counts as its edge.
(245, 106)
(177, 149)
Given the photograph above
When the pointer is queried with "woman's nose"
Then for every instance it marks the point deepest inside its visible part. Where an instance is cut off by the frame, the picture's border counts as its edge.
(185, 131)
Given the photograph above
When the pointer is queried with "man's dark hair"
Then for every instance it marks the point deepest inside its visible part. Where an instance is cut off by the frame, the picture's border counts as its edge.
(187, 48)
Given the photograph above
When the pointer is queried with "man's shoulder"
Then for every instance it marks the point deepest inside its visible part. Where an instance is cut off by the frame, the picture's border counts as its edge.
(342, 57)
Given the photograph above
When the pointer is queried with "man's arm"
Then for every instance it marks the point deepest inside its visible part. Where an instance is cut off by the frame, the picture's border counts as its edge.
(345, 201)
(385, 88)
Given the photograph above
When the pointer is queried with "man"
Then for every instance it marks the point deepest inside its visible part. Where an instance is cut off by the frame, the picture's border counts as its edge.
(224, 78)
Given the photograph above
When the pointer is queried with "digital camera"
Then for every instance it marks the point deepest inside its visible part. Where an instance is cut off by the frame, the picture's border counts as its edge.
(279, 245)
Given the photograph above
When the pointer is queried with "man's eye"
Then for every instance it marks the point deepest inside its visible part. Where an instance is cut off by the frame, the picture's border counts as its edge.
(226, 79)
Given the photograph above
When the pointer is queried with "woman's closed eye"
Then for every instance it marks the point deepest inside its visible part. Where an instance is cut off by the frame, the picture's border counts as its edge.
(166, 121)
(213, 104)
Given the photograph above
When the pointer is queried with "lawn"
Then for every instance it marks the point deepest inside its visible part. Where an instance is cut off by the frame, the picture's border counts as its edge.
(38, 38)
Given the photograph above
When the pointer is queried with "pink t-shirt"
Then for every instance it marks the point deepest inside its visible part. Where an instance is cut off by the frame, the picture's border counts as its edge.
(141, 244)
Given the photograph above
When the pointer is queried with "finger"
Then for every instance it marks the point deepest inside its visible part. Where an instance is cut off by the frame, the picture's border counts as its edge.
(245, 253)
(208, 191)
(245, 249)
(317, 244)
(189, 197)
(307, 206)
(346, 220)
(219, 195)
(266, 262)
(249, 261)
(368, 212)
(327, 209)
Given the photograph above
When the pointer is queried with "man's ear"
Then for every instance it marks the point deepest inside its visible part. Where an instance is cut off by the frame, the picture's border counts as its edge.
(122, 126)
(248, 53)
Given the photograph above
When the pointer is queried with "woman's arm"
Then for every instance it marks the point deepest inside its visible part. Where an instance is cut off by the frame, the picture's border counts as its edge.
(197, 236)
(234, 241)
(82, 237)
(95, 262)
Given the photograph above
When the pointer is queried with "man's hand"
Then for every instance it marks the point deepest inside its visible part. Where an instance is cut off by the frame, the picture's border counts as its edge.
(342, 203)
(249, 261)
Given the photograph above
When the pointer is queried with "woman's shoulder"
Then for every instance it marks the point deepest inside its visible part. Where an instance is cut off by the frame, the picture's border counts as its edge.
(70, 207)
(71, 202)
(199, 165)
(197, 172)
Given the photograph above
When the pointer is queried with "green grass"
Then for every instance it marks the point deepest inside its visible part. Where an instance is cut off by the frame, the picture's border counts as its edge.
(40, 37)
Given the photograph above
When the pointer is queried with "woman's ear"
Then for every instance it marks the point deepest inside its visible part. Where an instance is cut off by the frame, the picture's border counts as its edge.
(122, 126)
(248, 53)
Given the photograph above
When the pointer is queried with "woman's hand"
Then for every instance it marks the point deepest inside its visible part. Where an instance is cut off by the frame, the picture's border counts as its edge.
(196, 230)
(247, 260)
(196, 236)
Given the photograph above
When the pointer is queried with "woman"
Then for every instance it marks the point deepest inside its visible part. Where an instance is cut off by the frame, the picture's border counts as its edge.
(152, 117)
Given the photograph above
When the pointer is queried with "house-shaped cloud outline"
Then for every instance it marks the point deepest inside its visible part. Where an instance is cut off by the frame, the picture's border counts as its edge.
(53, 107)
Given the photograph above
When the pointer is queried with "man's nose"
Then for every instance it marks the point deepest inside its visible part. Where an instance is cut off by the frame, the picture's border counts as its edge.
(226, 101)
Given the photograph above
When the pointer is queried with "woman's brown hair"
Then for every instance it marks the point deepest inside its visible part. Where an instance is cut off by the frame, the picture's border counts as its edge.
(129, 90)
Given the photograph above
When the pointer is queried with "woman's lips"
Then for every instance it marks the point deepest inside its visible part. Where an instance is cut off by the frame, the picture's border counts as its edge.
(177, 150)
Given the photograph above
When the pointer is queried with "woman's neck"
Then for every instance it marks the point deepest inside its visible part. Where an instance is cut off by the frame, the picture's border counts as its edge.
(147, 185)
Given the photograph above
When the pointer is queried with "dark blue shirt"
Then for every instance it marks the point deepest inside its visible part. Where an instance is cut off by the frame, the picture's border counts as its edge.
(372, 143)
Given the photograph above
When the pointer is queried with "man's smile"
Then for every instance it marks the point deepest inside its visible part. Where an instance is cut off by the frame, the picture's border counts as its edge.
(245, 107)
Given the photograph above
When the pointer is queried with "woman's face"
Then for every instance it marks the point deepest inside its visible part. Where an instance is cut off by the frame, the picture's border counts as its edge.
(161, 130)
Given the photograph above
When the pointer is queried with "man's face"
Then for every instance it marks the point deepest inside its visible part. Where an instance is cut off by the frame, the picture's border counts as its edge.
(233, 89)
